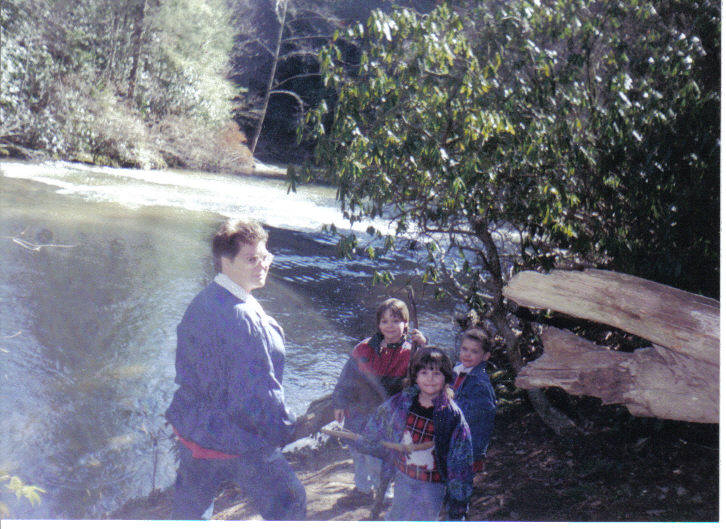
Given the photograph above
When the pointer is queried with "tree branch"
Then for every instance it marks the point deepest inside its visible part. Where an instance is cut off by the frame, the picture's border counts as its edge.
(306, 37)
(260, 42)
(293, 95)
(299, 76)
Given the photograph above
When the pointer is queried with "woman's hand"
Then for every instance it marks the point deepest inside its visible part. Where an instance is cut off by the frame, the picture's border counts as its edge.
(417, 337)
(339, 415)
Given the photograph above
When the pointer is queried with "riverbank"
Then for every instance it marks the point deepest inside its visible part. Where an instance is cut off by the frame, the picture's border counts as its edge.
(126, 251)
(250, 166)
(654, 471)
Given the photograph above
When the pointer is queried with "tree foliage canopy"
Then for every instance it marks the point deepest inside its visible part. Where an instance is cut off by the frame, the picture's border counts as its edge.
(534, 134)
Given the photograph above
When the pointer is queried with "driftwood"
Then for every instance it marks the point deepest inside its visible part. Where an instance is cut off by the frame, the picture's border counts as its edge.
(678, 320)
(318, 414)
(398, 447)
(653, 382)
(676, 378)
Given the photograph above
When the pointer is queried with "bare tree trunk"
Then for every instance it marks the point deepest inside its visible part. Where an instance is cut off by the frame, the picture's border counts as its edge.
(498, 311)
(114, 38)
(140, 13)
(551, 416)
(273, 71)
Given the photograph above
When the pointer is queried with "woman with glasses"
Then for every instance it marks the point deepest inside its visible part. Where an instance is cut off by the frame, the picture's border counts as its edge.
(229, 413)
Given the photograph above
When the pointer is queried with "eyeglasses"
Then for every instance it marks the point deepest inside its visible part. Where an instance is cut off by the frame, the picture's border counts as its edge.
(264, 259)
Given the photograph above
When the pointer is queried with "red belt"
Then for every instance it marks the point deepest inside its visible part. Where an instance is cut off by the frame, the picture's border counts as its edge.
(199, 452)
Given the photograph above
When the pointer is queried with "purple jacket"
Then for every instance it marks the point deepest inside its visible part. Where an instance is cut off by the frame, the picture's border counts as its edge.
(452, 443)
(229, 361)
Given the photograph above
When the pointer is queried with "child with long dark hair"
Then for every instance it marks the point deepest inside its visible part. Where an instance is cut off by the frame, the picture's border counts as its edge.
(424, 411)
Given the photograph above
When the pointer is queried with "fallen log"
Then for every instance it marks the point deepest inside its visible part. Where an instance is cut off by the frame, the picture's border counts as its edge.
(650, 382)
(675, 319)
(676, 378)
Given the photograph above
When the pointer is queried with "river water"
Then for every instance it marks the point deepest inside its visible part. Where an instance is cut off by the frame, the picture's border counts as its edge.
(97, 266)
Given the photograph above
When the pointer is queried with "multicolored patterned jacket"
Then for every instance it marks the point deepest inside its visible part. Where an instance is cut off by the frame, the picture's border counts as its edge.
(477, 400)
(371, 375)
(452, 443)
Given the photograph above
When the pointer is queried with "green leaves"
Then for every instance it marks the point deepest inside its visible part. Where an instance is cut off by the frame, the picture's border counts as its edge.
(405, 119)
(566, 122)
(21, 490)
(383, 278)
(97, 80)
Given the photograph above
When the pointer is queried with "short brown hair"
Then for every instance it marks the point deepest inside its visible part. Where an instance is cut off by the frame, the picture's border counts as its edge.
(232, 234)
(478, 335)
(396, 306)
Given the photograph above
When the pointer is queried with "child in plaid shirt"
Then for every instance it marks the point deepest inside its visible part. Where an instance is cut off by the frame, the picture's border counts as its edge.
(424, 411)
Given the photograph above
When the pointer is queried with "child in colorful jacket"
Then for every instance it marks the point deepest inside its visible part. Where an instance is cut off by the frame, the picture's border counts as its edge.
(473, 391)
(375, 371)
(425, 411)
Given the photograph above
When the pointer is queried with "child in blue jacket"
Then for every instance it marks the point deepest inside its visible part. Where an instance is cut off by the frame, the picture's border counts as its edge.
(424, 411)
(473, 391)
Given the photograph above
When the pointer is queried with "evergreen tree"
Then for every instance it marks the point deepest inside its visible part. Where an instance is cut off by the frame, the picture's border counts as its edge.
(122, 82)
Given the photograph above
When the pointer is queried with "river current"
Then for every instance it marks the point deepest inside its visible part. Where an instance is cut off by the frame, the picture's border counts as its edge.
(97, 267)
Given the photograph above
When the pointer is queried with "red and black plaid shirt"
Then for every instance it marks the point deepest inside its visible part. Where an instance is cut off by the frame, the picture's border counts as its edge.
(420, 424)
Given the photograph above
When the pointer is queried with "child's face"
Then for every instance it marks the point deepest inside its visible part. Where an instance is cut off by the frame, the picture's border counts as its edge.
(430, 381)
(471, 353)
(392, 327)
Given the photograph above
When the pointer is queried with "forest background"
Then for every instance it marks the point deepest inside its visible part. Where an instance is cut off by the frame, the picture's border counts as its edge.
(157, 83)
(525, 134)
(606, 114)
(588, 129)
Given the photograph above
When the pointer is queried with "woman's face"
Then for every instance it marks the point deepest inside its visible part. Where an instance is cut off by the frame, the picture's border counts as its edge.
(430, 381)
(249, 267)
(391, 326)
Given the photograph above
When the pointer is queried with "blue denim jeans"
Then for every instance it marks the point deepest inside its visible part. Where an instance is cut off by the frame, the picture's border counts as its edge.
(415, 500)
(367, 471)
(267, 479)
